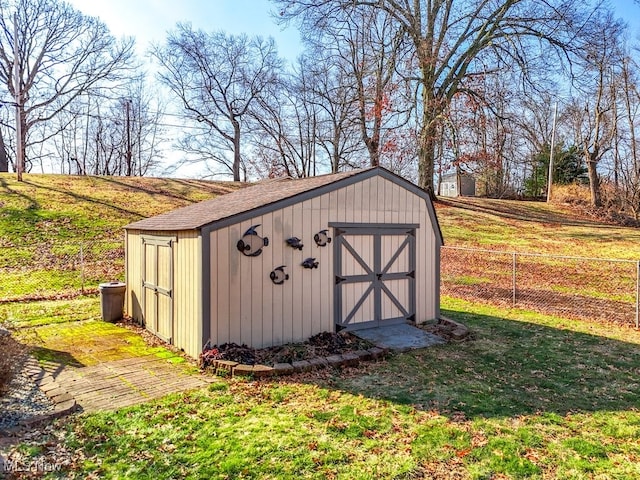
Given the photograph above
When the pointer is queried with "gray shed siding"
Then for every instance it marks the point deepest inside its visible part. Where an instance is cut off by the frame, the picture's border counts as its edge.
(220, 295)
(246, 307)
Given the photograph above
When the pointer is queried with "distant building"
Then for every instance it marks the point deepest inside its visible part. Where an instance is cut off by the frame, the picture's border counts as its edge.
(458, 184)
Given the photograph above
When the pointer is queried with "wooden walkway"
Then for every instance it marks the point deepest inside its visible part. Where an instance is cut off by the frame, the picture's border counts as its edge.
(124, 382)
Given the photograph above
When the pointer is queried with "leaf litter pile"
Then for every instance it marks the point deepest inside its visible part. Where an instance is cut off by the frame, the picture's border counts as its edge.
(320, 345)
(11, 355)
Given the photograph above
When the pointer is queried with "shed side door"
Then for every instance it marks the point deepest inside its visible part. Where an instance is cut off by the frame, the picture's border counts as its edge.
(157, 285)
(374, 275)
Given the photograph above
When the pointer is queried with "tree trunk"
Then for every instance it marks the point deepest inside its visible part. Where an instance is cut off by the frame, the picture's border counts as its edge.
(128, 154)
(373, 148)
(428, 138)
(4, 162)
(21, 142)
(427, 143)
(594, 182)
(236, 150)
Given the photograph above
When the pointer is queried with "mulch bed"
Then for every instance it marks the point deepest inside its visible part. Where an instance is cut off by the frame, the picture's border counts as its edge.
(321, 345)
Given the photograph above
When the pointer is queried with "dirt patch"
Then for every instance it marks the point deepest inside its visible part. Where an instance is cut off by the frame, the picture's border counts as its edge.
(321, 345)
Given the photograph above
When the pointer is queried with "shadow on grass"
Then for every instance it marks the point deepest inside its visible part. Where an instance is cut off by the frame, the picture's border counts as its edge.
(86, 198)
(210, 187)
(524, 211)
(510, 368)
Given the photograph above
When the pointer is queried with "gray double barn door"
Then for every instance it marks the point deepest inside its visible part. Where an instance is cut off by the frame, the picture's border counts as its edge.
(374, 268)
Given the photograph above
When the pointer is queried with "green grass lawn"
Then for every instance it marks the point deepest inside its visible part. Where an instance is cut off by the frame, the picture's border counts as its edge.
(62, 208)
(533, 227)
(33, 314)
(531, 396)
(63, 234)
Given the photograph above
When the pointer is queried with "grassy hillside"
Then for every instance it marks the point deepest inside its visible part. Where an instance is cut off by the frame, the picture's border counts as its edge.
(61, 235)
(61, 208)
(534, 227)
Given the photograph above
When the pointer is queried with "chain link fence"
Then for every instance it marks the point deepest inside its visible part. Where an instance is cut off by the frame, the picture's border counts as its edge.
(53, 271)
(572, 287)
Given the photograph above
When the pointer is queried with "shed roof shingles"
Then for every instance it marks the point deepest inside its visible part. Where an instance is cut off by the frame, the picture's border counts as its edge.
(200, 214)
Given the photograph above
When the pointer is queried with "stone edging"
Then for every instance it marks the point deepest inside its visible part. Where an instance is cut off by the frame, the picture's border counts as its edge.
(458, 331)
(63, 402)
(229, 368)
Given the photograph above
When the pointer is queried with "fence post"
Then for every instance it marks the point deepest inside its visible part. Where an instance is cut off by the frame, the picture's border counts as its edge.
(81, 270)
(514, 277)
(637, 293)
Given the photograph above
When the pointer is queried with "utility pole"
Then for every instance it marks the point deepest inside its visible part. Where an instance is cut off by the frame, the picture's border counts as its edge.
(553, 146)
(4, 162)
(127, 104)
(18, 98)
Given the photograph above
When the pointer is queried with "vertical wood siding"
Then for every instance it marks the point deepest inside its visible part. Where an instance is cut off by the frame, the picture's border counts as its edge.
(246, 307)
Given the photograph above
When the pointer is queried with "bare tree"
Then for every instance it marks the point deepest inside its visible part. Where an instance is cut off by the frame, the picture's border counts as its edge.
(100, 135)
(49, 55)
(333, 93)
(218, 79)
(366, 45)
(448, 37)
(594, 106)
(287, 131)
(626, 144)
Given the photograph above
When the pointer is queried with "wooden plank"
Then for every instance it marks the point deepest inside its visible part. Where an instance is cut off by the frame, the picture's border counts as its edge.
(402, 204)
(215, 285)
(326, 273)
(335, 214)
(235, 284)
(341, 205)
(274, 308)
(296, 330)
(246, 287)
(262, 303)
(292, 261)
(364, 202)
(310, 298)
(395, 202)
(350, 214)
(388, 200)
(374, 198)
(221, 323)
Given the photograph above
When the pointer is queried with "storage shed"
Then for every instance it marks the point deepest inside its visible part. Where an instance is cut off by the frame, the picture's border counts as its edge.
(285, 259)
(458, 184)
